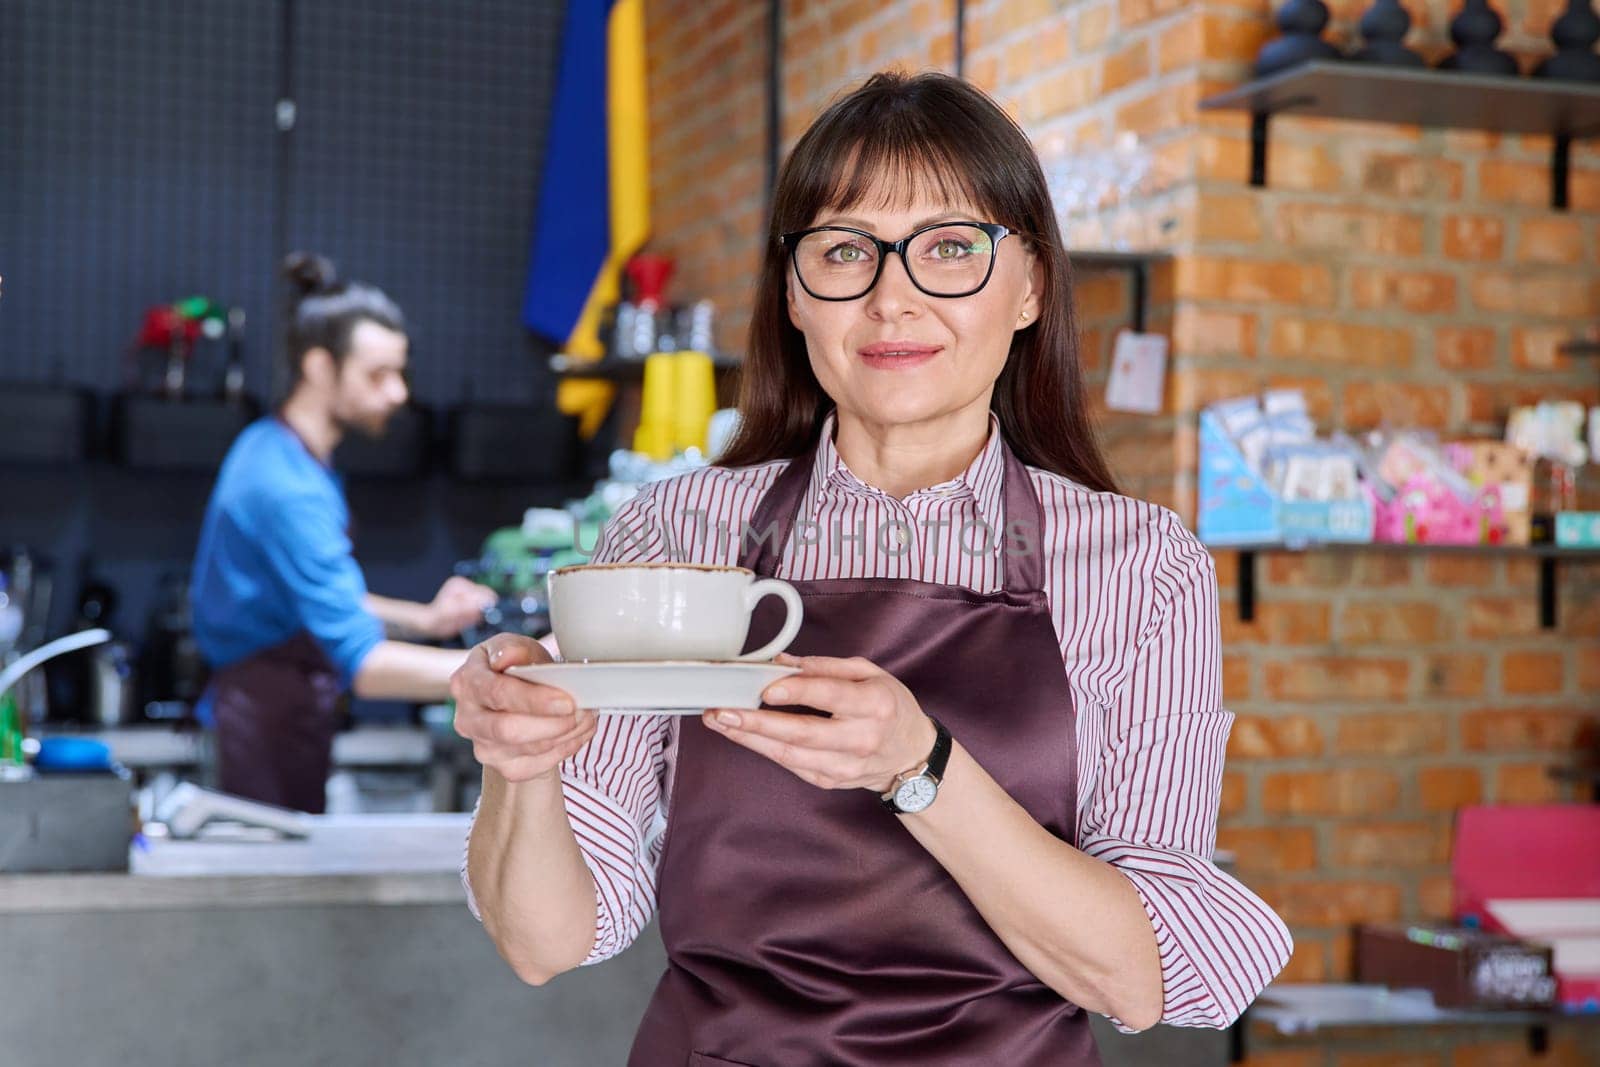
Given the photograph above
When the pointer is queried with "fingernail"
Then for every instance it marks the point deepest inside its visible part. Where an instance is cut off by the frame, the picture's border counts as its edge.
(777, 693)
(728, 718)
(494, 655)
(563, 707)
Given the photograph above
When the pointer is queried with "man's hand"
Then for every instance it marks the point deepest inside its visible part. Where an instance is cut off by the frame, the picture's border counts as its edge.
(458, 604)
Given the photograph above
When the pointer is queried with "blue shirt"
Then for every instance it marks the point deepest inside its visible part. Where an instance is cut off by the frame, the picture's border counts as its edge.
(274, 557)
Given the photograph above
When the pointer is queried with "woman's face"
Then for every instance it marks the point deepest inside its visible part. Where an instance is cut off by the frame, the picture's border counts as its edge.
(898, 357)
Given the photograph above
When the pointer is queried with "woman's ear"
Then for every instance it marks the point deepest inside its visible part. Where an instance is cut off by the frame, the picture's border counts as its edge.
(789, 298)
(1033, 297)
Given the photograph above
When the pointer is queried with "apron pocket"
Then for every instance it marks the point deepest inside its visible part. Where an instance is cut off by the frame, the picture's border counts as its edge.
(700, 1059)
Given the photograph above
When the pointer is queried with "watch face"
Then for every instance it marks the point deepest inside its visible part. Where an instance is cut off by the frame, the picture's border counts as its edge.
(915, 794)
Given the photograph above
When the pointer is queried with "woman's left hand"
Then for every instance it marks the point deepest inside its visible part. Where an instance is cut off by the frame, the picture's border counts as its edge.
(877, 729)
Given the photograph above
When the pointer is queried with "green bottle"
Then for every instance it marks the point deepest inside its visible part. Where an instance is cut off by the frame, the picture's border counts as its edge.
(10, 733)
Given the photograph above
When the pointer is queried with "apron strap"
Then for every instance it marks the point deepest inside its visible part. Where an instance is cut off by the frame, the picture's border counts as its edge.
(1024, 560)
(775, 514)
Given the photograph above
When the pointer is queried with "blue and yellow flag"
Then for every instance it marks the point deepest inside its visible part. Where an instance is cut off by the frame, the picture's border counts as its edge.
(594, 195)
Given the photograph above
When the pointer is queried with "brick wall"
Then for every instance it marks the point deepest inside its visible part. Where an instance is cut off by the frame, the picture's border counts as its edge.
(1398, 275)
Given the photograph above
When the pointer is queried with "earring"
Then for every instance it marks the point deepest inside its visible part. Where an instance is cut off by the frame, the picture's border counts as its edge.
(1024, 316)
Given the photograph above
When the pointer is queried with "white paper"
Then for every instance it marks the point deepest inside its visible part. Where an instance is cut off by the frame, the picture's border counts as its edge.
(1138, 373)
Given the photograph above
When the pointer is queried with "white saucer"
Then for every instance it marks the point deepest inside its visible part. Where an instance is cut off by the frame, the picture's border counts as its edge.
(664, 687)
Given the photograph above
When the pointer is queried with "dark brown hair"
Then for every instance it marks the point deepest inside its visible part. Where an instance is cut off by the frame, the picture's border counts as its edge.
(939, 135)
(324, 311)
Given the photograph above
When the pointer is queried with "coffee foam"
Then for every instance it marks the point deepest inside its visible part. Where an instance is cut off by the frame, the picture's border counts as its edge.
(578, 567)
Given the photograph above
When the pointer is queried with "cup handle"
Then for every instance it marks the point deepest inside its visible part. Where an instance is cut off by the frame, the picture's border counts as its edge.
(791, 623)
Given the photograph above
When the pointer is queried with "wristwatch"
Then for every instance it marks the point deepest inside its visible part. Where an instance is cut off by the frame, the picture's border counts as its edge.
(913, 791)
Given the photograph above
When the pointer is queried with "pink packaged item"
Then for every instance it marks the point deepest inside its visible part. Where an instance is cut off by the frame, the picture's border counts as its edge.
(1427, 512)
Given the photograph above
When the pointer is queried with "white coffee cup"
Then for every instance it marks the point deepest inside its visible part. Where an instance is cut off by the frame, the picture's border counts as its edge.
(663, 611)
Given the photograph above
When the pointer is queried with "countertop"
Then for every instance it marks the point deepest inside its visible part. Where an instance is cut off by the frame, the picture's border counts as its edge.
(348, 859)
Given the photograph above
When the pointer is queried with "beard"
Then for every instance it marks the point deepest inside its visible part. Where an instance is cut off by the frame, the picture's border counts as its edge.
(372, 426)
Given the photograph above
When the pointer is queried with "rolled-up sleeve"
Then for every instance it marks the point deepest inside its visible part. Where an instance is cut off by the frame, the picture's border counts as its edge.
(614, 786)
(1153, 814)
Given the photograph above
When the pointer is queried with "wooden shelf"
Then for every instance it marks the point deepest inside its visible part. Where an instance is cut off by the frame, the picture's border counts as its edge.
(616, 370)
(1308, 1010)
(1408, 96)
(1549, 557)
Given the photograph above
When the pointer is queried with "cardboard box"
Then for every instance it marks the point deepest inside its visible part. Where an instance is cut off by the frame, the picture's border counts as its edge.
(1461, 967)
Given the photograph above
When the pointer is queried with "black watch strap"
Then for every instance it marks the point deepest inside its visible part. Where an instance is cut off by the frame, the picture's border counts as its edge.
(937, 759)
(940, 755)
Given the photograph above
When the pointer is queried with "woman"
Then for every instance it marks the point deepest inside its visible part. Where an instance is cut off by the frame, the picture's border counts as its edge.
(1019, 664)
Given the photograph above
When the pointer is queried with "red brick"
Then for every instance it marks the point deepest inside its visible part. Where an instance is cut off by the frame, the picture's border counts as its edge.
(1389, 622)
(1284, 1057)
(1588, 669)
(1163, 110)
(1504, 730)
(1228, 219)
(1449, 788)
(1436, 896)
(1411, 177)
(1422, 292)
(1554, 295)
(1349, 229)
(1526, 783)
(1515, 616)
(1094, 26)
(1236, 678)
(1503, 181)
(1060, 93)
(1334, 341)
(1391, 845)
(1451, 572)
(1308, 964)
(1551, 240)
(1318, 678)
(1178, 46)
(1226, 37)
(1222, 157)
(1454, 674)
(1307, 167)
(1389, 1059)
(1464, 347)
(1393, 733)
(1476, 237)
(1539, 348)
(1126, 66)
(1372, 403)
(1493, 404)
(1194, 389)
(1271, 849)
(1202, 331)
(1281, 622)
(1344, 791)
(1274, 737)
(1335, 570)
(1235, 794)
(1330, 903)
(1530, 673)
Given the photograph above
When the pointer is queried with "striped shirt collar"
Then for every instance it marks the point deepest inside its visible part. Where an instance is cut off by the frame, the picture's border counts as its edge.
(982, 480)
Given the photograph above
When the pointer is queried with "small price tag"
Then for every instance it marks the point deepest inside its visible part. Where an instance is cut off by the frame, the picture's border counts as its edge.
(1138, 373)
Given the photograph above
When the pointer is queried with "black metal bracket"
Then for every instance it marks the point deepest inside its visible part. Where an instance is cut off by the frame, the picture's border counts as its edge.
(1238, 1045)
(1547, 592)
(1549, 573)
(1539, 1040)
(1560, 171)
(1258, 147)
(1141, 296)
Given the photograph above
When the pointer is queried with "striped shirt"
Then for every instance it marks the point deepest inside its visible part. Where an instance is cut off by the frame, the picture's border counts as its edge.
(1133, 599)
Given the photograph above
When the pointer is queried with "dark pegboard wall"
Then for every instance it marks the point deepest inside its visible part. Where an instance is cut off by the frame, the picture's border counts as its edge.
(140, 162)
(136, 168)
(414, 165)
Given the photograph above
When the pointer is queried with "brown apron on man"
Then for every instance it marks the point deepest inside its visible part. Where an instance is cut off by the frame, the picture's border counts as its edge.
(805, 926)
(276, 713)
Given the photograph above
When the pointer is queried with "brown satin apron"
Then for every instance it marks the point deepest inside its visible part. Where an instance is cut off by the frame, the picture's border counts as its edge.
(806, 927)
(276, 713)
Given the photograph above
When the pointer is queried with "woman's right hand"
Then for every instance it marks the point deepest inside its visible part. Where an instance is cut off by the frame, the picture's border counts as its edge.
(520, 729)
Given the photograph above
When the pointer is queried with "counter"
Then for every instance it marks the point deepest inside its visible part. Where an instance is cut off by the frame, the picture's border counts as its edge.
(352, 946)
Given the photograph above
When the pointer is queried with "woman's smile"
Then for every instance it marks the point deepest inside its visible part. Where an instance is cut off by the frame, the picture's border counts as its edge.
(897, 355)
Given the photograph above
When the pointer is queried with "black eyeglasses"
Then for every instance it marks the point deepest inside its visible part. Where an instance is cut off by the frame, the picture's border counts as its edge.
(947, 259)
